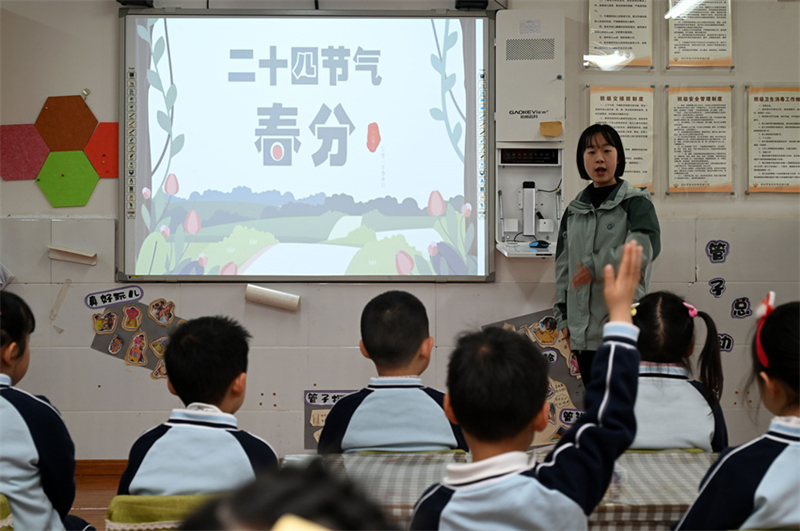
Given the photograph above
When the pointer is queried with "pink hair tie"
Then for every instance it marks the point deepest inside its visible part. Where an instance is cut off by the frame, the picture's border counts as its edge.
(766, 307)
(692, 310)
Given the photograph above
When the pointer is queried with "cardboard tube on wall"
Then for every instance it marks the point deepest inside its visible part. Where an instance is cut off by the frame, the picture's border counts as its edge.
(271, 297)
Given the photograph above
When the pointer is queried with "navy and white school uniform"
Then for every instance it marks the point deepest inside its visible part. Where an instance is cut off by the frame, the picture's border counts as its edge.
(752, 486)
(37, 459)
(200, 450)
(392, 414)
(508, 491)
(672, 411)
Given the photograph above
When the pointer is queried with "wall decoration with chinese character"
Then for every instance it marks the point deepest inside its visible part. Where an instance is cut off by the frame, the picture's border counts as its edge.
(565, 387)
(141, 337)
(317, 405)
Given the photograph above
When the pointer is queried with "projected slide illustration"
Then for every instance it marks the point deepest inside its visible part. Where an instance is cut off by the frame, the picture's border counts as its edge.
(306, 147)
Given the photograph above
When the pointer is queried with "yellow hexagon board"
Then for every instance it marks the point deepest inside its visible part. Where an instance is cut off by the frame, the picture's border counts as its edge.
(67, 178)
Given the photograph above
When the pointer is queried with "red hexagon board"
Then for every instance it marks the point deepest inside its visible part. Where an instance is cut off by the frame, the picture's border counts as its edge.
(22, 152)
(103, 149)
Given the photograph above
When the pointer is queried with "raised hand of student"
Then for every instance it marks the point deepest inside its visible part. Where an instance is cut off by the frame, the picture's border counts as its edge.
(619, 291)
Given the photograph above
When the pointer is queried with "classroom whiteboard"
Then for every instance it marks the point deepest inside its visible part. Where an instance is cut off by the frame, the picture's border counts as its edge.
(304, 147)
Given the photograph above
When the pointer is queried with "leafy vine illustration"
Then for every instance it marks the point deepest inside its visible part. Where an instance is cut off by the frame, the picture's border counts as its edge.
(156, 254)
(447, 82)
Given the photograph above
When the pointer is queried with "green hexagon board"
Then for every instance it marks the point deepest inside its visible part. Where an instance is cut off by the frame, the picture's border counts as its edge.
(67, 178)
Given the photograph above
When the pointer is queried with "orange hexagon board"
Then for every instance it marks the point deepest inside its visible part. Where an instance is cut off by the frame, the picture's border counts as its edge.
(103, 149)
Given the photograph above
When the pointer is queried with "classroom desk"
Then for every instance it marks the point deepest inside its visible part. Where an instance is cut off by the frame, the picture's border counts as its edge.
(654, 491)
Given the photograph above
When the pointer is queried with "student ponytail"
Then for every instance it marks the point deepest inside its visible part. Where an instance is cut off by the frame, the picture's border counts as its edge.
(710, 363)
(779, 339)
(666, 334)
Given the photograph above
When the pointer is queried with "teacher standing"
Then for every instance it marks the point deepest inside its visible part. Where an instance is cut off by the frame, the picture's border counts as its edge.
(595, 227)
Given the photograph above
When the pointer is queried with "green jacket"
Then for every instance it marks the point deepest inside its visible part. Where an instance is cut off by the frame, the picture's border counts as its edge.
(594, 238)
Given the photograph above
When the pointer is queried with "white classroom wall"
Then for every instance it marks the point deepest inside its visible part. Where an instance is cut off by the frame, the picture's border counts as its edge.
(60, 47)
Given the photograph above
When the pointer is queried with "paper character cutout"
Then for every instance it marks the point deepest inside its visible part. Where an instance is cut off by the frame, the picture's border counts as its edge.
(551, 389)
(717, 287)
(546, 331)
(551, 355)
(160, 372)
(740, 309)
(574, 370)
(551, 415)
(717, 251)
(116, 345)
(162, 311)
(725, 342)
(105, 323)
(136, 351)
(558, 434)
(318, 417)
(131, 318)
(159, 345)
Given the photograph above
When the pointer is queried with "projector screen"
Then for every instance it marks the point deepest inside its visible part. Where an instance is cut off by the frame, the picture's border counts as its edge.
(312, 147)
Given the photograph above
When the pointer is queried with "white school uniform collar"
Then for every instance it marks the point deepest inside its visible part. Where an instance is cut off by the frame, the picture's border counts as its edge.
(395, 381)
(463, 474)
(200, 413)
(663, 369)
(786, 426)
(5, 379)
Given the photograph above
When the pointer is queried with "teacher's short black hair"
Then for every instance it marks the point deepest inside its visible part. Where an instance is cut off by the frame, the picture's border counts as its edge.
(611, 136)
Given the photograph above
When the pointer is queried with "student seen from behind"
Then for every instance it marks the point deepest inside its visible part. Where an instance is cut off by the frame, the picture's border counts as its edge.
(395, 412)
(673, 411)
(496, 389)
(295, 499)
(200, 449)
(37, 456)
(757, 485)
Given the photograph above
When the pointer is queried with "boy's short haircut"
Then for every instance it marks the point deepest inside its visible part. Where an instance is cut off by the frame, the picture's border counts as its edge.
(204, 356)
(393, 327)
(497, 383)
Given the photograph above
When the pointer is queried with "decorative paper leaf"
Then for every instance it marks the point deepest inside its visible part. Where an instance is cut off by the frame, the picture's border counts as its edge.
(172, 95)
(154, 79)
(163, 121)
(143, 33)
(457, 133)
(450, 41)
(449, 82)
(177, 145)
(436, 63)
(437, 114)
(158, 49)
(153, 254)
(145, 216)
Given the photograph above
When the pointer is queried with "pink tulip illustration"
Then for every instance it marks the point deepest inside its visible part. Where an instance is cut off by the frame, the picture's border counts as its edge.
(202, 259)
(165, 231)
(192, 223)
(433, 249)
(466, 210)
(229, 269)
(146, 193)
(404, 263)
(171, 185)
(436, 205)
